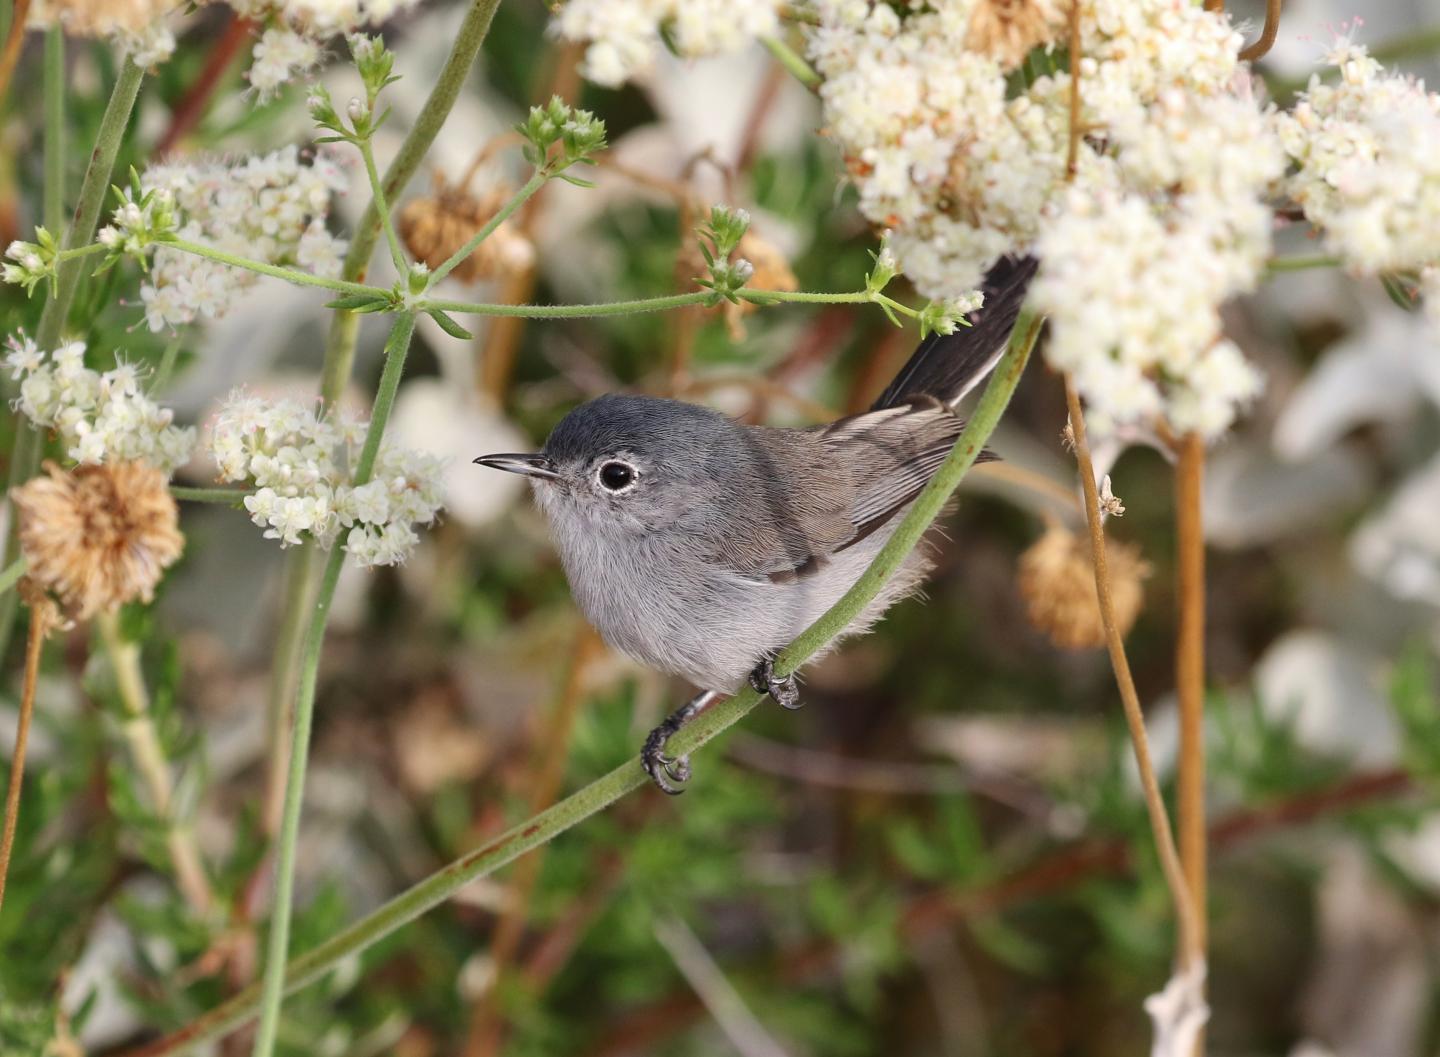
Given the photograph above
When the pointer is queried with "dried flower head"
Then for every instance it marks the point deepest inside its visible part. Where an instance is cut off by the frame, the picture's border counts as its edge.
(435, 226)
(1007, 30)
(98, 536)
(1057, 581)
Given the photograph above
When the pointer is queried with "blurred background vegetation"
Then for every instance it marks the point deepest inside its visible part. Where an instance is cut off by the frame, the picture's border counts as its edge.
(943, 853)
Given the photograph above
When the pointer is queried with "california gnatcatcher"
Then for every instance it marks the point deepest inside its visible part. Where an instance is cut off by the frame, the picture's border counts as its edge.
(701, 546)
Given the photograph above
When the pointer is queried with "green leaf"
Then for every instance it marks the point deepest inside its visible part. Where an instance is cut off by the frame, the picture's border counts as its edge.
(448, 324)
(355, 302)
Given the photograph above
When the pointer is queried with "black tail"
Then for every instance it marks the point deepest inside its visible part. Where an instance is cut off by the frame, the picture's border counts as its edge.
(947, 366)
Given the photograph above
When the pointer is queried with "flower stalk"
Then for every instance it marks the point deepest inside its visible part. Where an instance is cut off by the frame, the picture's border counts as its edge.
(1190, 673)
(1170, 865)
(41, 616)
(272, 992)
(536, 181)
(542, 828)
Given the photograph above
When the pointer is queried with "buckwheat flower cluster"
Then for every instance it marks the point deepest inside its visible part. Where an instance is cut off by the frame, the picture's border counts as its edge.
(101, 417)
(916, 98)
(624, 36)
(1135, 273)
(137, 26)
(300, 464)
(269, 207)
(295, 32)
(1367, 151)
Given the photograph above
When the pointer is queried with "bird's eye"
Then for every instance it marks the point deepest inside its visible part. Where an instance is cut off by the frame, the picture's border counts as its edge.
(617, 476)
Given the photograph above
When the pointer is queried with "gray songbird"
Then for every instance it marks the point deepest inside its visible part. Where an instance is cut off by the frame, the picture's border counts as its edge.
(701, 546)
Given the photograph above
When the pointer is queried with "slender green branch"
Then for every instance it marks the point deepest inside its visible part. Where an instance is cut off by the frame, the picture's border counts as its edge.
(662, 304)
(81, 251)
(25, 456)
(377, 188)
(11, 575)
(793, 62)
(613, 308)
(1276, 265)
(277, 949)
(604, 791)
(53, 211)
(536, 181)
(344, 326)
(231, 496)
(290, 275)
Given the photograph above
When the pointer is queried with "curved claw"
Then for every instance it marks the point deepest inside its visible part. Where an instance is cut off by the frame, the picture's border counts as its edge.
(664, 769)
(783, 689)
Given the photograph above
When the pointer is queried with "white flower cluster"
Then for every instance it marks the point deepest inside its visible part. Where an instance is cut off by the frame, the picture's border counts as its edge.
(623, 36)
(137, 26)
(269, 207)
(98, 416)
(301, 465)
(295, 30)
(1163, 219)
(1368, 154)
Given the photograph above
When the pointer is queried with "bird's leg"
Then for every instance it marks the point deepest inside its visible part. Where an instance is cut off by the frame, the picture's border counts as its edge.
(782, 688)
(664, 769)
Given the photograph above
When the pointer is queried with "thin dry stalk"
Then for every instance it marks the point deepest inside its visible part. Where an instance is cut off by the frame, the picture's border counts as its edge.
(1190, 667)
(41, 617)
(1267, 35)
(1189, 923)
(10, 57)
(144, 743)
(486, 1029)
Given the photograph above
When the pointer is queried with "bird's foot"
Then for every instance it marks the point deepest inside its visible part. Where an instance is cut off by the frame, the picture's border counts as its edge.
(782, 688)
(668, 772)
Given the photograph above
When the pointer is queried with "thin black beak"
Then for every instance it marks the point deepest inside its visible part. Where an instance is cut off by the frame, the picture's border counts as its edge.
(535, 465)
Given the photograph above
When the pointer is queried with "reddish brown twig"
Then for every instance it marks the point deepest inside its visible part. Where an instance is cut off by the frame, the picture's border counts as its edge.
(1185, 908)
(10, 57)
(191, 107)
(41, 617)
(1267, 35)
(1190, 671)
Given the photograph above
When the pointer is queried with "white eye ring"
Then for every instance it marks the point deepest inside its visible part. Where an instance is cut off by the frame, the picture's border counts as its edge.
(616, 476)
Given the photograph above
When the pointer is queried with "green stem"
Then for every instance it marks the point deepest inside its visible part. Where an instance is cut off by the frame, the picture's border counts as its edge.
(345, 326)
(604, 791)
(25, 456)
(290, 275)
(793, 62)
(81, 251)
(300, 570)
(273, 984)
(536, 181)
(613, 308)
(397, 252)
(232, 496)
(1276, 265)
(662, 304)
(54, 87)
(11, 576)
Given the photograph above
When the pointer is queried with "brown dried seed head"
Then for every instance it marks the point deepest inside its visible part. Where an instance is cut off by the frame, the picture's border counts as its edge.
(99, 536)
(95, 18)
(436, 226)
(1057, 581)
(1007, 30)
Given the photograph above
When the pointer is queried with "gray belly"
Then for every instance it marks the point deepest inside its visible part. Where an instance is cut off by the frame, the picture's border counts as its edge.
(706, 623)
